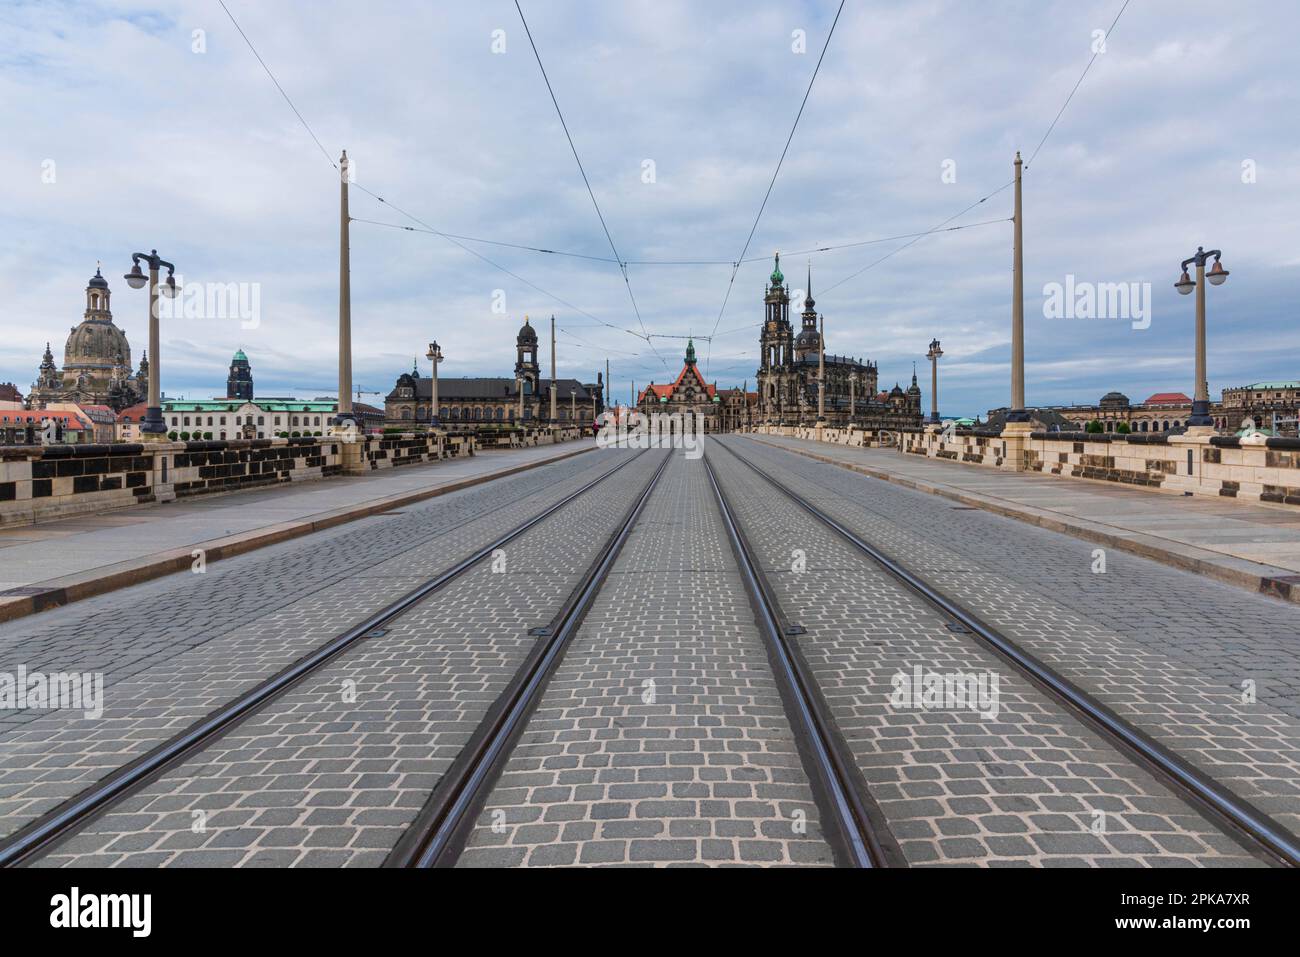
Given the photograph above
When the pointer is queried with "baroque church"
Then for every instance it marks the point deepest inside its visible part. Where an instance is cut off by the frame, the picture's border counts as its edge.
(96, 361)
(788, 374)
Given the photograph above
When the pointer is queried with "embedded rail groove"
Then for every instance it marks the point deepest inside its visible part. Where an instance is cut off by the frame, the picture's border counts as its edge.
(438, 834)
(856, 825)
(1228, 810)
(38, 836)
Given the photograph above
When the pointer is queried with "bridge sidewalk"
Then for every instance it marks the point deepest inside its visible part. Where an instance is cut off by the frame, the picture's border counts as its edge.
(1253, 546)
(53, 563)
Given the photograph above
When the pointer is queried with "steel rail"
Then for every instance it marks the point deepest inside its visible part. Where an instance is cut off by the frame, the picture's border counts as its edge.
(837, 780)
(37, 836)
(439, 832)
(1237, 816)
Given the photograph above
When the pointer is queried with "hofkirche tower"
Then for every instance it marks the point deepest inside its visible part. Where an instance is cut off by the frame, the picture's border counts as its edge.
(792, 366)
(96, 360)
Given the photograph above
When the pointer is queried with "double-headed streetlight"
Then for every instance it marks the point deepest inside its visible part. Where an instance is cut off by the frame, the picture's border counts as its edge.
(153, 426)
(434, 355)
(933, 355)
(1217, 276)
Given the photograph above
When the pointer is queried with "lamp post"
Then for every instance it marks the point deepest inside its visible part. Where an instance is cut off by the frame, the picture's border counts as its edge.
(1017, 412)
(573, 406)
(853, 396)
(434, 355)
(553, 396)
(153, 428)
(933, 355)
(345, 419)
(821, 370)
(1217, 276)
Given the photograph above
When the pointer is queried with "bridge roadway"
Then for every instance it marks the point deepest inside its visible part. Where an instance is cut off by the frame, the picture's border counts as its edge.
(663, 733)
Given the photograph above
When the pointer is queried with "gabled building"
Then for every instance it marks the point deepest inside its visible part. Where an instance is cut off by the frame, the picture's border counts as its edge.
(688, 394)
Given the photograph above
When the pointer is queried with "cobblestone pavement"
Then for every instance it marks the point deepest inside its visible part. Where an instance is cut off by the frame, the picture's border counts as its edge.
(174, 649)
(1014, 780)
(331, 773)
(1176, 654)
(661, 739)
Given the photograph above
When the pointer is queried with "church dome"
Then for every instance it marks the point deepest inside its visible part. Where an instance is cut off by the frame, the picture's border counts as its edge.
(96, 343)
(807, 340)
(526, 332)
(98, 281)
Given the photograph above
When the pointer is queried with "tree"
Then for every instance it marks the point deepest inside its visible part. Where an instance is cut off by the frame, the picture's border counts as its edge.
(1094, 427)
(1123, 428)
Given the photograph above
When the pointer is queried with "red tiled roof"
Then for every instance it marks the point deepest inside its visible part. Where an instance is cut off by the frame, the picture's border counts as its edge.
(35, 417)
(666, 391)
(133, 412)
(1168, 398)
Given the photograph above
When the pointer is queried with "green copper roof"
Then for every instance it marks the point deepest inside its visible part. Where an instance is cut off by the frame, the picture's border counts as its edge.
(777, 277)
(231, 405)
(1274, 385)
(690, 352)
(239, 356)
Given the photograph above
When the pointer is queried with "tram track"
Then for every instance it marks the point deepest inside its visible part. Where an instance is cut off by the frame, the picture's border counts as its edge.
(41, 835)
(857, 829)
(439, 832)
(1248, 825)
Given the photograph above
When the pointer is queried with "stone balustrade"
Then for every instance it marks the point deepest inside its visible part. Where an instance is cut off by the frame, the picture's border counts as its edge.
(1251, 468)
(39, 483)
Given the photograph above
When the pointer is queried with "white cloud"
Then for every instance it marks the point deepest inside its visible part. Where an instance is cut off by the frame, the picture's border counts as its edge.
(198, 155)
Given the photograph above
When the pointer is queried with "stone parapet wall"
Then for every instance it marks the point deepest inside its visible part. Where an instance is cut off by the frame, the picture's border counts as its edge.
(1254, 468)
(519, 438)
(41, 483)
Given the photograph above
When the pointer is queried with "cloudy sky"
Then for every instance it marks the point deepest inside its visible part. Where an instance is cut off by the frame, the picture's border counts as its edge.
(125, 129)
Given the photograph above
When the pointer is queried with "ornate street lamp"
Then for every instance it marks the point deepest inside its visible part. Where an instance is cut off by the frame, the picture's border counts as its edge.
(152, 427)
(1217, 276)
(933, 355)
(434, 355)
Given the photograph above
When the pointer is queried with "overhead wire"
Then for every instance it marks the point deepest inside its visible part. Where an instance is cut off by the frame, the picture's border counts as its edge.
(776, 172)
(590, 192)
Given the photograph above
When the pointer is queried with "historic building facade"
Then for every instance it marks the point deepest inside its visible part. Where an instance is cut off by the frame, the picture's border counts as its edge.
(789, 369)
(96, 361)
(739, 409)
(525, 399)
(1270, 405)
(688, 394)
(1160, 413)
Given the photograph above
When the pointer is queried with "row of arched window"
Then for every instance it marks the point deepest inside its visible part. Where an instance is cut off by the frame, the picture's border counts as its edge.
(1140, 426)
(476, 413)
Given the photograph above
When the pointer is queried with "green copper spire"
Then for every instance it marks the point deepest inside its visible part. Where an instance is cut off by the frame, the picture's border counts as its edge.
(690, 352)
(777, 277)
